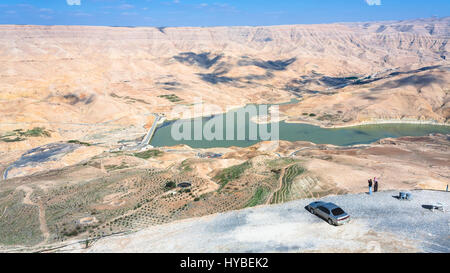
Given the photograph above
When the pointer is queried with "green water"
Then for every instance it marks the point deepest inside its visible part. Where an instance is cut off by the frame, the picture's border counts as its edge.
(298, 132)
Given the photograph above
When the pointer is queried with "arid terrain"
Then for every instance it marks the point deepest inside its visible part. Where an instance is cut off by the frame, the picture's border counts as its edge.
(78, 104)
(100, 84)
(289, 227)
(117, 192)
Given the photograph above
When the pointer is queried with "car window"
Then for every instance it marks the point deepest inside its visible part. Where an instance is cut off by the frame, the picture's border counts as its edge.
(337, 211)
(324, 210)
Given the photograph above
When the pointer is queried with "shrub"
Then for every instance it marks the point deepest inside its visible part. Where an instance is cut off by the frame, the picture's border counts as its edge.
(35, 132)
(79, 142)
(170, 185)
(148, 154)
(259, 197)
(16, 139)
(232, 173)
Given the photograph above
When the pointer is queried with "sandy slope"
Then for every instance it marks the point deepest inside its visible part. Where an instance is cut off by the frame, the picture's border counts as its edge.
(100, 84)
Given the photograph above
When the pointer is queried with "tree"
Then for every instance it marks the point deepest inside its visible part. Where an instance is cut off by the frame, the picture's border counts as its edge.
(170, 185)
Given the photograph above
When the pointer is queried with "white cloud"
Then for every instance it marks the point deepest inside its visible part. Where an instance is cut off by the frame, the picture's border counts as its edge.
(46, 17)
(46, 10)
(126, 6)
(129, 13)
(373, 2)
(73, 2)
(82, 14)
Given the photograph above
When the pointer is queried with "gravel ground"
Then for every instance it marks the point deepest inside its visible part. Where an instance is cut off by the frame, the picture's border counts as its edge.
(380, 223)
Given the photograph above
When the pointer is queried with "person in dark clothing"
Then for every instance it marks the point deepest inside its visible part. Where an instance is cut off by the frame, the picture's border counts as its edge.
(375, 185)
(370, 186)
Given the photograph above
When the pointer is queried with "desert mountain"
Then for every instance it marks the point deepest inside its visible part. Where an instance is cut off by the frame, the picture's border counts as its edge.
(101, 83)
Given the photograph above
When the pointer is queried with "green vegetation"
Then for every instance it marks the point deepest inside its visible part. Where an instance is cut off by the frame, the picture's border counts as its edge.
(170, 185)
(19, 223)
(185, 191)
(116, 167)
(130, 99)
(328, 117)
(129, 199)
(172, 98)
(148, 154)
(185, 167)
(35, 132)
(75, 231)
(16, 139)
(309, 114)
(62, 214)
(282, 195)
(134, 100)
(231, 173)
(20, 134)
(259, 197)
(280, 162)
(79, 142)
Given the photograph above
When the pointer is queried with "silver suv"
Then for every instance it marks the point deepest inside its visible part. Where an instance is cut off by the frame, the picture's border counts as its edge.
(333, 214)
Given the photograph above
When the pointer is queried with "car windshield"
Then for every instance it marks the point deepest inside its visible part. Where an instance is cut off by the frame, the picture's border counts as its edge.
(337, 211)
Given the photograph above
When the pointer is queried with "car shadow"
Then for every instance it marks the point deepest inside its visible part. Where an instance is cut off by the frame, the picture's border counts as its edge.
(430, 207)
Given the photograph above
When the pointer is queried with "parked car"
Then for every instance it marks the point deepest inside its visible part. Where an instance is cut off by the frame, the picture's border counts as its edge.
(332, 213)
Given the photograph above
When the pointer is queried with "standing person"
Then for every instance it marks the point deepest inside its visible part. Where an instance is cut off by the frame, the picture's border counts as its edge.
(375, 185)
(370, 186)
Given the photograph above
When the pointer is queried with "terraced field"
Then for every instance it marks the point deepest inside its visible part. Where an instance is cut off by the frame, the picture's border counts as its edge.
(313, 187)
(284, 193)
(123, 199)
(259, 197)
(19, 222)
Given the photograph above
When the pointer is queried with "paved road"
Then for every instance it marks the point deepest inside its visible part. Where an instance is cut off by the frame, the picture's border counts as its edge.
(150, 132)
(380, 223)
(148, 137)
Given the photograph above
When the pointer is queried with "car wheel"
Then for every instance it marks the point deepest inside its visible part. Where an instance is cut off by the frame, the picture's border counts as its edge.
(313, 211)
(330, 222)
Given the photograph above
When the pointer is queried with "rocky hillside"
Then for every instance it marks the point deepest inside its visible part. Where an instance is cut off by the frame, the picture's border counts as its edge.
(84, 82)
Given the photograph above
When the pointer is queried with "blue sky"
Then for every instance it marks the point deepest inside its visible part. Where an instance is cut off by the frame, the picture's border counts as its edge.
(213, 13)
